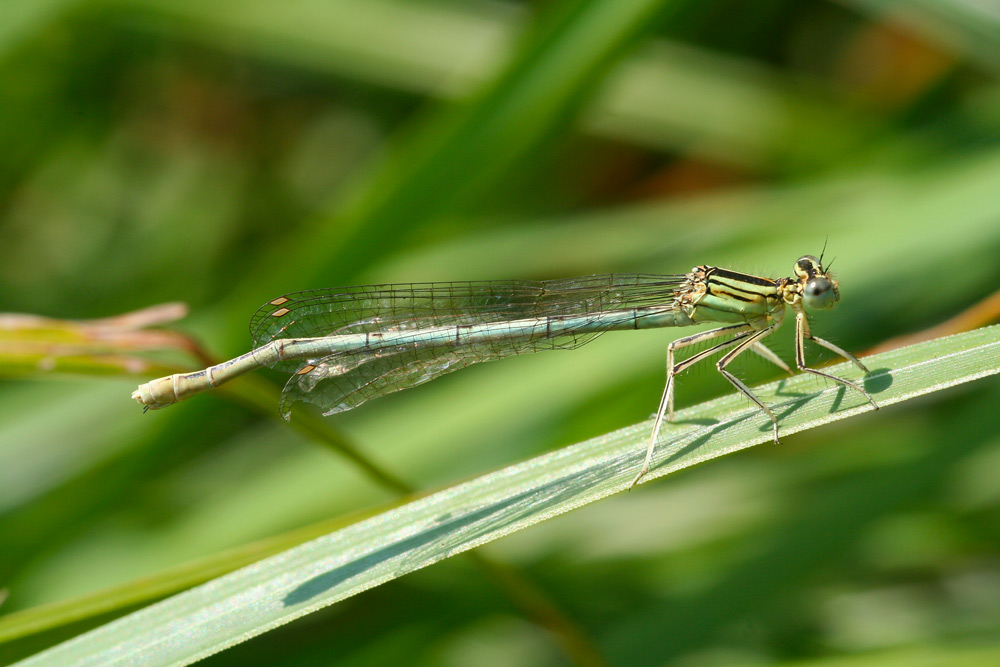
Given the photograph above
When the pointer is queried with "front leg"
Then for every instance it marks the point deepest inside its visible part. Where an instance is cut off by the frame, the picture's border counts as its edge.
(801, 333)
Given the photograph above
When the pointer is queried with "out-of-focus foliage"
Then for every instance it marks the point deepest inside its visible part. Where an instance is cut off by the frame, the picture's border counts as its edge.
(222, 153)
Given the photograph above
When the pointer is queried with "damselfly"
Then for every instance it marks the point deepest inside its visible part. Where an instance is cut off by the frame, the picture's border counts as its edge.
(347, 345)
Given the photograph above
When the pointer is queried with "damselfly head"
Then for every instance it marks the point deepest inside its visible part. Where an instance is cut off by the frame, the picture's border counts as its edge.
(819, 290)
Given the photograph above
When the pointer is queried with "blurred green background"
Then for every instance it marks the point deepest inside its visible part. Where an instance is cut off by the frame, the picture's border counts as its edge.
(223, 153)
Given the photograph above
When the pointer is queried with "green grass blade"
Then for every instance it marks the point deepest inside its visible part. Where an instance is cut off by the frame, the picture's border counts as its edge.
(272, 592)
(65, 613)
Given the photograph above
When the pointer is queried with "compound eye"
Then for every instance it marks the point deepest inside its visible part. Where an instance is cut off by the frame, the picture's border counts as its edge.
(819, 293)
(807, 267)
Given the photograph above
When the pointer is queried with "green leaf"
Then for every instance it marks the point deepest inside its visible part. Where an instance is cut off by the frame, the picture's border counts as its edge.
(277, 590)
